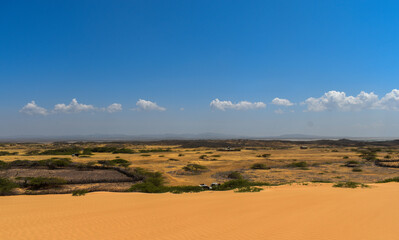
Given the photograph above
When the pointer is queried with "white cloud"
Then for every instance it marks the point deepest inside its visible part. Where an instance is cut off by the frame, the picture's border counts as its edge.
(145, 105)
(243, 105)
(115, 107)
(390, 101)
(33, 109)
(73, 107)
(282, 102)
(334, 100)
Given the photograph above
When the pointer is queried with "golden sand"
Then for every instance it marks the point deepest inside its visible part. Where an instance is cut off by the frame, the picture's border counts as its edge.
(314, 212)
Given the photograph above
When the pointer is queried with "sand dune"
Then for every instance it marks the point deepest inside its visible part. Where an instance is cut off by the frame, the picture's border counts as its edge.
(286, 212)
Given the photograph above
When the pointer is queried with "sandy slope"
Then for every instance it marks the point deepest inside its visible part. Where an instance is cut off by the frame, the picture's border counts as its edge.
(287, 212)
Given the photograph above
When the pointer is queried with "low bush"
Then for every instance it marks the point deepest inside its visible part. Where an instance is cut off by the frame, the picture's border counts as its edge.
(394, 179)
(350, 185)
(238, 183)
(345, 157)
(123, 150)
(266, 155)
(259, 166)
(6, 186)
(235, 175)
(248, 189)
(145, 155)
(181, 154)
(203, 156)
(194, 168)
(155, 150)
(356, 169)
(79, 192)
(116, 162)
(302, 165)
(36, 183)
(5, 153)
(61, 151)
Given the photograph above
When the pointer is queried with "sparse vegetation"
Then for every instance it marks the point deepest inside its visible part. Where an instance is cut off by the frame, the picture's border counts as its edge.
(248, 189)
(6, 153)
(79, 192)
(36, 183)
(235, 175)
(155, 150)
(194, 168)
(350, 185)
(259, 166)
(395, 179)
(6, 186)
(357, 169)
(301, 165)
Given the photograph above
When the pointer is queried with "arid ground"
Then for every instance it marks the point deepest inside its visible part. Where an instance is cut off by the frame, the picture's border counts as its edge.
(269, 190)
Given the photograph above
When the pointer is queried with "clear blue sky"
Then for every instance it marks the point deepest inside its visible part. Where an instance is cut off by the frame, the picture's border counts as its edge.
(185, 54)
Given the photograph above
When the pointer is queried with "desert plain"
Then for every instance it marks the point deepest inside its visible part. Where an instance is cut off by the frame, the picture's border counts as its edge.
(323, 189)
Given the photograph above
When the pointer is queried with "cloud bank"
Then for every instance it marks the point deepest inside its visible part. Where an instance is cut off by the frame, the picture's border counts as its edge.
(144, 105)
(73, 107)
(334, 100)
(243, 105)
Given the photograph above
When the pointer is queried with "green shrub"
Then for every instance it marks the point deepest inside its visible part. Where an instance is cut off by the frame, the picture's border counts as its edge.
(349, 185)
(248, 189)
(6, 186)
(61, 151)
(266, 155)
(235, 175)
(259, 166)
(123, 150)
(395, 179)
(356, 169)
(302, 165)
(173, 159)
(181, 154)
(3, 164)
(345, 157)
(116, 162)
(36, 183)
(5, 153)
(155, 150)
(79, 192)
(334, 150)
(238, 183)
(203, 156)
(194, 167)
(387, 157)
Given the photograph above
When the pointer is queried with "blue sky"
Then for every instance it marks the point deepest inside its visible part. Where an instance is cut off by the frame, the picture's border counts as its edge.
(186, 54)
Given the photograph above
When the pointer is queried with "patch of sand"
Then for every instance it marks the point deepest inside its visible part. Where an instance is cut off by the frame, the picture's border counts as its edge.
(287, 212)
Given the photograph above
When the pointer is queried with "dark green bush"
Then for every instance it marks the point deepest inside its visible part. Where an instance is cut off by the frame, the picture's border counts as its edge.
(266, 155)
(155, 150)
(203, 156)
(302, 165)
(259, 166)
(239, 183)
(235, 175)
(6, 186)
(36, 183)
(248, 189)
(5, 153)
(194, 167)
(123, 150)
(395, 179)
(79, 192)
(61, 151)
(356, 169)
(350, 185)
